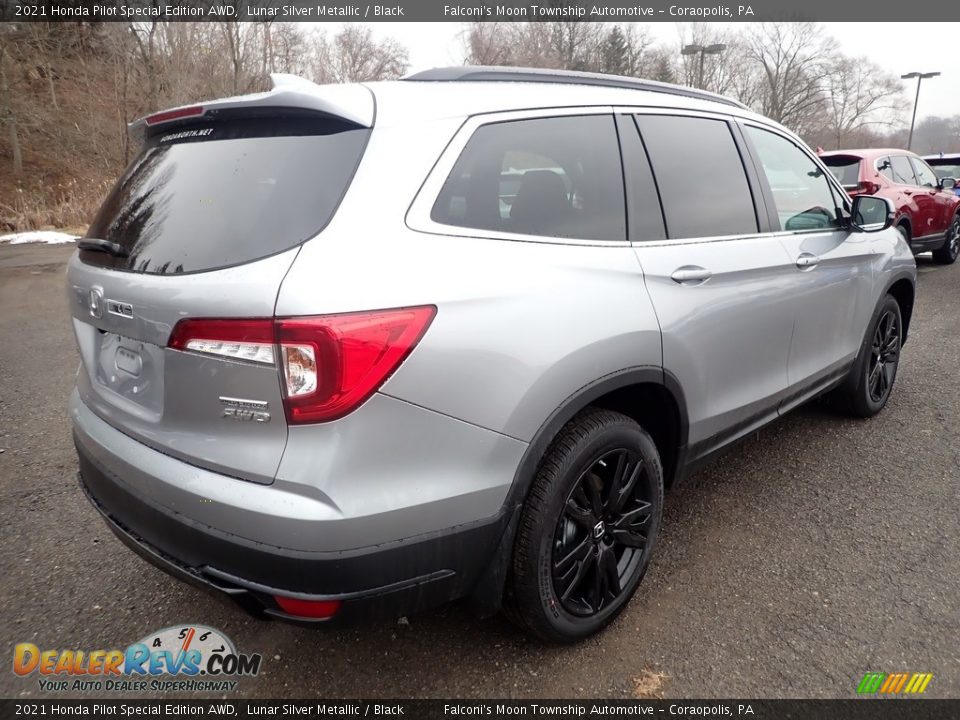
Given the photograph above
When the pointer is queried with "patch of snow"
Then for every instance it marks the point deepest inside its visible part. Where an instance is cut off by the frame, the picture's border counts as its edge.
(47, 237)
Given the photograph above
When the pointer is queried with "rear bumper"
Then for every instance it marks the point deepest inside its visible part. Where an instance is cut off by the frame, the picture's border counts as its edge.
(390, 580)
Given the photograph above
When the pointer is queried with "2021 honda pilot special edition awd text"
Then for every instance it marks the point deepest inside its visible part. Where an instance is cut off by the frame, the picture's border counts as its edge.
(359, 350)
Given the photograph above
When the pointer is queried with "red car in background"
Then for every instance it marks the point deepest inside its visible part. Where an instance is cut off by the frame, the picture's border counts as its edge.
(926, 206)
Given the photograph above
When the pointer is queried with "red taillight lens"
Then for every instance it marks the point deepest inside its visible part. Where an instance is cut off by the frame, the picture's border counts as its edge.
(329, 364)
(333, 363)
(176, 114)
(315, 609)
(866, 187)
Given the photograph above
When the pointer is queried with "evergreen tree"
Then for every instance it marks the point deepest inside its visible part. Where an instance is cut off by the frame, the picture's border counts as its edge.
(614, 53)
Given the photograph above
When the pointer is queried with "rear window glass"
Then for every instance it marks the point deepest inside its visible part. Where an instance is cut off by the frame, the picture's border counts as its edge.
(214, 195)
(844, 169)
(553, 177)
(947, 171)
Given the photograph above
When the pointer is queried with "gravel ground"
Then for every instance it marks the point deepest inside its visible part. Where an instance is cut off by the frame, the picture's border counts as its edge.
(818, 550)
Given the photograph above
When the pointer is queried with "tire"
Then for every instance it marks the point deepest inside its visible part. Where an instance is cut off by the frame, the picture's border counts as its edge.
(947, 255)
(574, 523)
(905, 234)
(875, 370)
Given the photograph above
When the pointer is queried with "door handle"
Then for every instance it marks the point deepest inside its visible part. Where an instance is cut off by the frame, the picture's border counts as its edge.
(807, 261)
(691, 275)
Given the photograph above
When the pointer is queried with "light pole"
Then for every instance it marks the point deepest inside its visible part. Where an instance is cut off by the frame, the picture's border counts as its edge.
(702, 50)
(920, 78)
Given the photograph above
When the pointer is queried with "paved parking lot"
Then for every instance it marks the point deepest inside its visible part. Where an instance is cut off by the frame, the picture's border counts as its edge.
(820, 549)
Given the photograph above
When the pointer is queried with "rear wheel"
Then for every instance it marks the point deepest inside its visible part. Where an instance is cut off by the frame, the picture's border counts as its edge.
(588, 528)
(948, 254)
(877, 364)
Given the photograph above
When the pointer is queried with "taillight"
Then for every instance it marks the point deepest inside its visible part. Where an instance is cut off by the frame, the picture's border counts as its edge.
(867, 188)
(332, 363)
(251, 340)
(329, 364)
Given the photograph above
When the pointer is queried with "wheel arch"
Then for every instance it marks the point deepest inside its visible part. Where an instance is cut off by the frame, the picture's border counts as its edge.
(904, 220)
(650, 395)
(904, 292)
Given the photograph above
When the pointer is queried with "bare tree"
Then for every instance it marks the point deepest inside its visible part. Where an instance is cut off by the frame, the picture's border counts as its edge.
(148, 54)
(488, 43)
(354, 55)
(8, 114)
(860, 95)
(576, 45)
(794, 61)
(567, 45)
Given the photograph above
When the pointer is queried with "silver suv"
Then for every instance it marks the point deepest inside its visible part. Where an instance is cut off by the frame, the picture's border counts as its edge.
(364, 349)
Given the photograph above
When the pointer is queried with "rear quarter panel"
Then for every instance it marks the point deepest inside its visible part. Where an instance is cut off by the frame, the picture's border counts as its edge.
(520, 326)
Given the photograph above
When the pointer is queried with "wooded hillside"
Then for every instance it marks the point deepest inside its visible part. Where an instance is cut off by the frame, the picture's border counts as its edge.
(68, 90)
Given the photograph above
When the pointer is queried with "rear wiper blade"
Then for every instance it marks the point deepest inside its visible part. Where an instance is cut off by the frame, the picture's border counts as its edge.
(107, 246)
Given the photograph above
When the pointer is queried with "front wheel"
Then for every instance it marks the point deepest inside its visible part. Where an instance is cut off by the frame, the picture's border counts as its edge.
(876, 367)
(588, 528)
(905, 234)
(947, 254)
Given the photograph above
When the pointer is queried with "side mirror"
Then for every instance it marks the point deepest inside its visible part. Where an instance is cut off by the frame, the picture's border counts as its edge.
(871, 214)
(947, 183)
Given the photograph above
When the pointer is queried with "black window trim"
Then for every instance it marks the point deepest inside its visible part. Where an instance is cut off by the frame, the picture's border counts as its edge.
(626, 123)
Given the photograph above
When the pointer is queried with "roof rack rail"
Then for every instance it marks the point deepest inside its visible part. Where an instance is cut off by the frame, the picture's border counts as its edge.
(489, 73)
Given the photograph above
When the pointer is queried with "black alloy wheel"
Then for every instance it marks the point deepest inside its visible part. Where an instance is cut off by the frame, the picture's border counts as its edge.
(866, 390)
(948, 254)
(601, 533)
(884, 356)
(587, 529)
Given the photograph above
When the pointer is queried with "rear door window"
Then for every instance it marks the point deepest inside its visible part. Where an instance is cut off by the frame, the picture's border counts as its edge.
(902, 171)
(225, 193)
(700, 175)
(556, 177)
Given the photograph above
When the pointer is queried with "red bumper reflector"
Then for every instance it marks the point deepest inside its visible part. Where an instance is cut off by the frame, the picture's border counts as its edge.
(314, 609)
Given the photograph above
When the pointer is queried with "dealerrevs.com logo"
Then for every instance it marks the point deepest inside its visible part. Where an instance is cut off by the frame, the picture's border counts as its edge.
(186, 658)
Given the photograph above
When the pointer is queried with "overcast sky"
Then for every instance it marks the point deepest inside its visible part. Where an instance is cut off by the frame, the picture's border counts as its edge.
(897, 47)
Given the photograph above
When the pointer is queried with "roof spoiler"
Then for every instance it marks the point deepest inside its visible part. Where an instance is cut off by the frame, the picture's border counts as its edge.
(353, 103)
